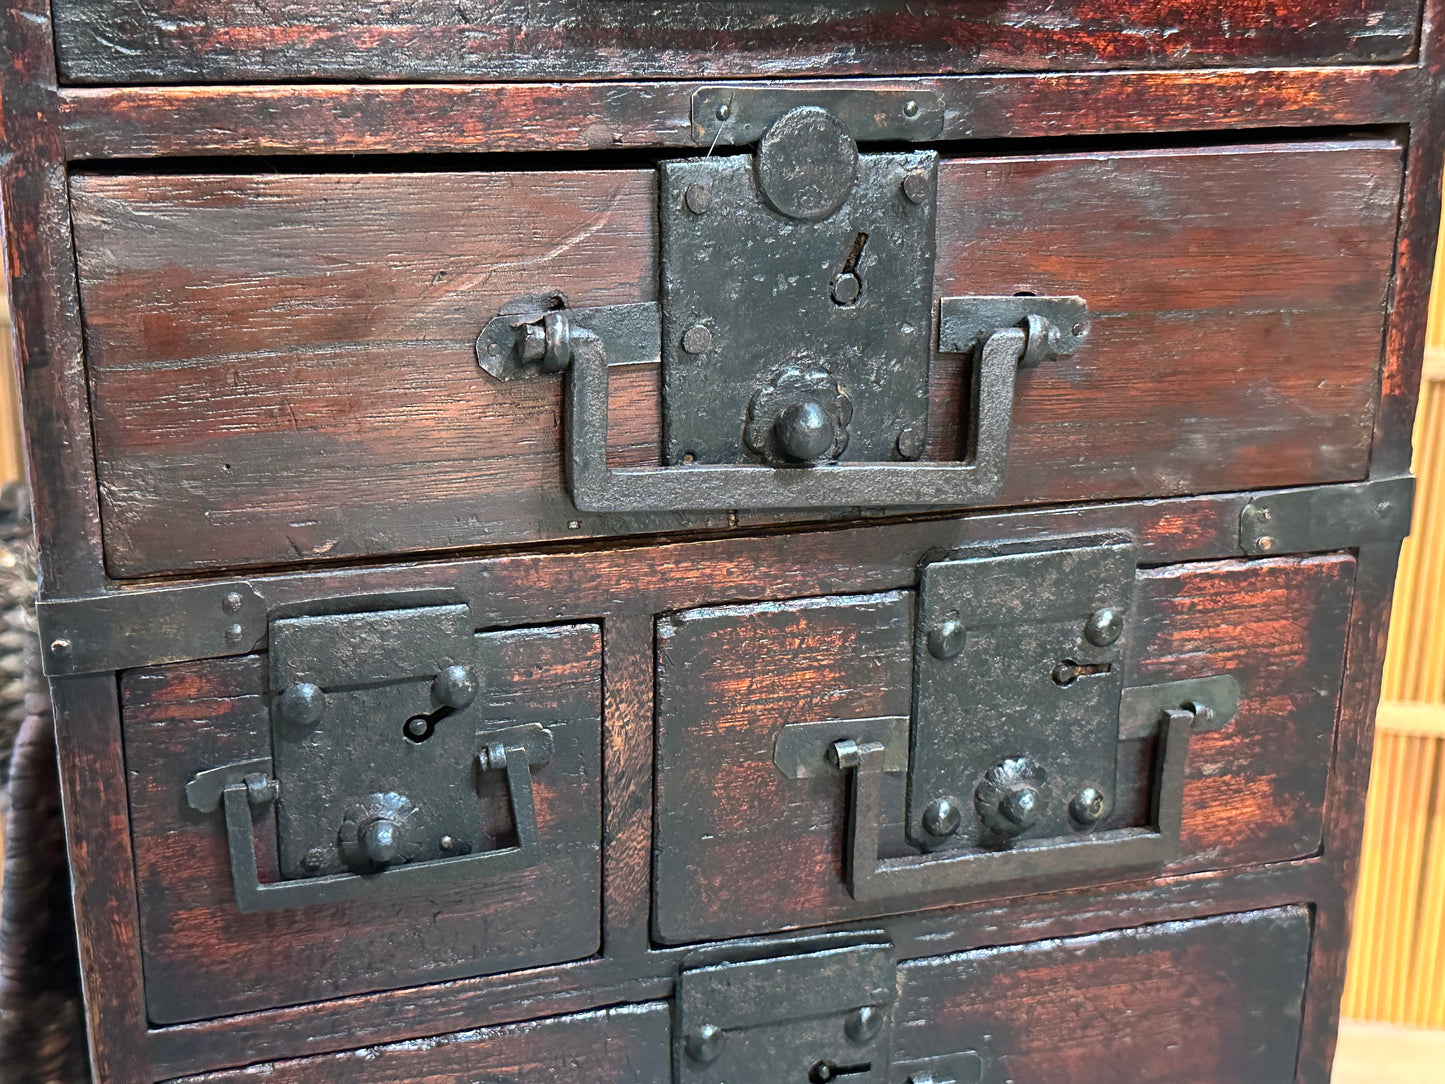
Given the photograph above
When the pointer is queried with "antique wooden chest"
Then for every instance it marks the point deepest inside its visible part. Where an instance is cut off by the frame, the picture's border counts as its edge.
(714, 542)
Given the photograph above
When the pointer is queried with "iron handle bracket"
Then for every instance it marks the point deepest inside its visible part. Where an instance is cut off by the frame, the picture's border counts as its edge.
(1087, 857)
(244, 786)
(585, 343)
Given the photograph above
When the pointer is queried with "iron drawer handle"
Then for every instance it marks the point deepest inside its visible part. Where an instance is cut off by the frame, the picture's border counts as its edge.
(578, 342)
(245, 785)
(871, 878)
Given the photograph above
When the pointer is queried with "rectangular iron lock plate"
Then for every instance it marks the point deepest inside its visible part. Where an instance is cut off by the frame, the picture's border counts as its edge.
(795, 324)
(814, 1010)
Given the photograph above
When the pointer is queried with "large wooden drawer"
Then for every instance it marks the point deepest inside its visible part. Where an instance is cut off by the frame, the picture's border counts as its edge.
(179, 41)
(283, 366)
(205, 955)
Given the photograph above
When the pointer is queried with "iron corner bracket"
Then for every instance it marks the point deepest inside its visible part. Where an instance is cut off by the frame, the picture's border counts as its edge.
(147, 626)
(1321, 518)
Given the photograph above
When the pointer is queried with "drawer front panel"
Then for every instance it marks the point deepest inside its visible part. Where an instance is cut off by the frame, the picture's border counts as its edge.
(284, 368)
(205, 956)
(1209, 1001)
(618, 1046)
(747, 842)
(178, 41)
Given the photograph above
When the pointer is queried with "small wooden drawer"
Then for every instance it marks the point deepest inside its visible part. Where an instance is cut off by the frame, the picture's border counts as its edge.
(762, 825)
(498, 866)
(616, 1046)
(177, 41)
(284, 367)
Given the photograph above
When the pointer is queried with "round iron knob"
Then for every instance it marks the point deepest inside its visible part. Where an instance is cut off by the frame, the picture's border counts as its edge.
(804, 431)
(1010, 797)
(456, 687)
(379, 831)
(303, 704)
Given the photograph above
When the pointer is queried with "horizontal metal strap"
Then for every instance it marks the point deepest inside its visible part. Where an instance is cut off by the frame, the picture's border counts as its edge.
(1329, 517)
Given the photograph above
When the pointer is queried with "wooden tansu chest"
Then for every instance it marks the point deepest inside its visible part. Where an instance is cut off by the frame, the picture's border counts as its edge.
(718, 543)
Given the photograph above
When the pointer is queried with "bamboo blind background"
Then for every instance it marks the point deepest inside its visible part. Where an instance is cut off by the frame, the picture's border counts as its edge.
(1397, 962)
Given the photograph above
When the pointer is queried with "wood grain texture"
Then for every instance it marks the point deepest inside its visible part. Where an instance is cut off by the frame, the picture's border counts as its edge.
(741, 849)
(627, 1045)
(1178, 1003)
(140, 122)
(203, 958)
(177, 41)
(282, 366)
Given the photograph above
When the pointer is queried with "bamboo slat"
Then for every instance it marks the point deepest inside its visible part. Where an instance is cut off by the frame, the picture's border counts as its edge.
(1397, 961)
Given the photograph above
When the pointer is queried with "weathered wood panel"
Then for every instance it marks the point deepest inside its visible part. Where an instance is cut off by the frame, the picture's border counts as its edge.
(282, 366)
(1179, 1003)
(203, 958)
(742, 849)
(628, 1045)
(178, 41)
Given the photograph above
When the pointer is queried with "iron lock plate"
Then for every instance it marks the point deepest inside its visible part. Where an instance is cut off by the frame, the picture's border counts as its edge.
(801, 276)
(372, 720)
(1018, 676)
(820, 1009)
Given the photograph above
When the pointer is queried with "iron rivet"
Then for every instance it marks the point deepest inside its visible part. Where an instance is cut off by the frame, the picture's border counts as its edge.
(1087, 807)
(910, 442)
(942, 817)
(1383, 508)
(234, 634)
(232, 602)
(724, 111)
(846, 288)
(704, 1045)
(863, 1025)
(60, 647)
(303, 704)
(804, 431)
(456, 686)
(946, 640)
(494, 349)
(314, 860)
(446, 843)
(697, 339)
(698, 198)
(916, 186)
(910, 108)
(1265, 543)
(1020, 806)
(1104, 627)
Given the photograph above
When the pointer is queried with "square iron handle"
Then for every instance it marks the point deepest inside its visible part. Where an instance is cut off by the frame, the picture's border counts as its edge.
(577, 342)
(238, 796)
(1089, 858)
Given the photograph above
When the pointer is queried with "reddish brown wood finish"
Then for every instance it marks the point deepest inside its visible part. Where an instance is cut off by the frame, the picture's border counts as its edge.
(178, 41)
(140, 122)
(282, 367)
(618, 1046)
(1181, 1003)
(741, 849)
(203, 958)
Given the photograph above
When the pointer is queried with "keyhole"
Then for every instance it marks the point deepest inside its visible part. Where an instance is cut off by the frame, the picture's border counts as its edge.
(847, 285)
(825, 1071)
(1069, 671)
(419, 728)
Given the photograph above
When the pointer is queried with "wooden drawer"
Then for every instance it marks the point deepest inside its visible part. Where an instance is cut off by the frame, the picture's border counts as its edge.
(179, 41)
(617, 1046)
(282, 367)
(745, 842)
(203, 957)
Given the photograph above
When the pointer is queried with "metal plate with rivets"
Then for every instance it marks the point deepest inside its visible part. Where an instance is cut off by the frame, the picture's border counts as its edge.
(762, 307)
(1018, 672)
(373, 725)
